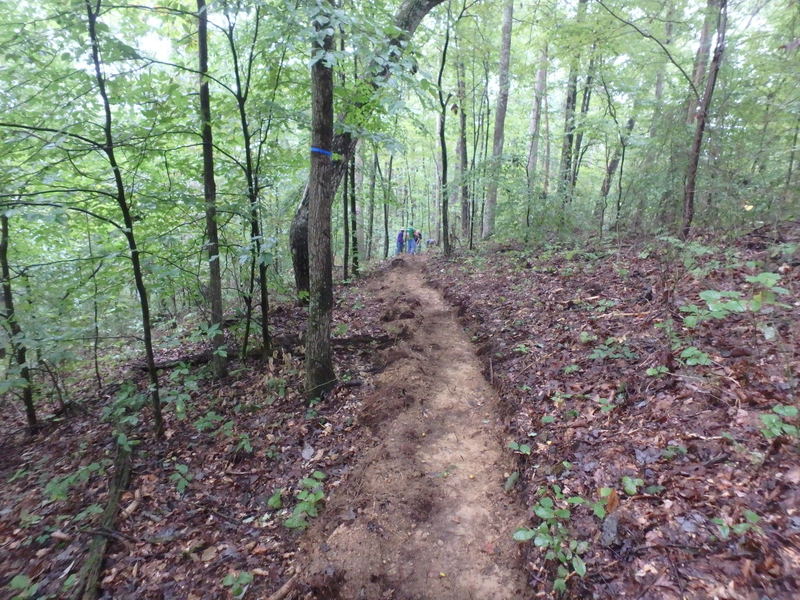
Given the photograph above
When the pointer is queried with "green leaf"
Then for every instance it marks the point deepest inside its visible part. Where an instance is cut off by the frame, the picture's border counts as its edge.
(524, 534)
(559, 585)
(579, 565)
(275, 501)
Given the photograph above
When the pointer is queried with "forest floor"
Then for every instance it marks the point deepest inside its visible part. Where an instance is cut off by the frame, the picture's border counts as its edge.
(628, 415)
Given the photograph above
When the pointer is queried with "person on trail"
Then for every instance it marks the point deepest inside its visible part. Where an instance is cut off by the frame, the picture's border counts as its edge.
(400, 241)
(410, 244)
(418, 241)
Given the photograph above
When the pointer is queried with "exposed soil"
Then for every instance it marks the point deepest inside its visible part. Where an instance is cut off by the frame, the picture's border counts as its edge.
(423, 514)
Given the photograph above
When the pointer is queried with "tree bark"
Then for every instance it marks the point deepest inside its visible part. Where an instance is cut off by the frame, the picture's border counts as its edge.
(701, 58)
(533, 135)
(18, 346)
(567, 158)
(371, 216)
(490, 207)
(320, 376)
(443, 100)
(694, 152)
(462, 148)
(122, 202)
(353, 216)
(346, 222)
(406, 20)
(219, 363)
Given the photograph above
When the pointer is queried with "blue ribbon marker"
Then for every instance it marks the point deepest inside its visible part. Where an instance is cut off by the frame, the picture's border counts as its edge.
(321, 151)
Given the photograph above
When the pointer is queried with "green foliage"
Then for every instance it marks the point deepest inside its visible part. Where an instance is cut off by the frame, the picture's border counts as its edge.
(311, 494)
(693, 356)
(554, 537)
(612, 348)
(774, 425)
(23, 587)
(631, 485)
(180, 477)
(58, 487)
(520, 448)
(657, 371)
(238, 583)
(750, 523)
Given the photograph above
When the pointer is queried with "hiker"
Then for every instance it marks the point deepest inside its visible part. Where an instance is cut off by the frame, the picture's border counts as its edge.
(418, 241)
(400, 241)
(410, 245)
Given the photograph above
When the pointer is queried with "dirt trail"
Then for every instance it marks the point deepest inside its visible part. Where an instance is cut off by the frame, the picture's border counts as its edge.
(423, 515)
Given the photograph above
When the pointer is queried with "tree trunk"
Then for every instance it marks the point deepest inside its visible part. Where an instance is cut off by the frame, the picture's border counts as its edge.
(371, 217)
(462, 148)
(567, 158)
(701, 58)
(319, 364)
(490, 208)
(353, 216)
(406, 20)
(346, 222)
(577, 152)
(694, 152)
(443, 100)
(219, 362)
(533, 135)
(241, 92)
(18, 346)
(122, 202)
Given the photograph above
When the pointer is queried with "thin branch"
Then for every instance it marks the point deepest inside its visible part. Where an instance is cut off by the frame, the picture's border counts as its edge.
(657, 41)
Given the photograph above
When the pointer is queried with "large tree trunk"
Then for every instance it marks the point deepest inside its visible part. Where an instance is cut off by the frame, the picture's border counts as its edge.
(533, 135)
(17, 340)
(319, 364)
(122, 202)
(407, 18)
(694, 152)
(490, 208)
(219, 362)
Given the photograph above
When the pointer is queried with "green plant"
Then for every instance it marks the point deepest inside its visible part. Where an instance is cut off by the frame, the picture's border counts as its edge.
(276, 500)
(657, 371)
(631, 485)
(520, 448)
(58, 487)
(310, 495)
(522, 348)
(585, 337)
(749, 523)
(238, 583)
(207, 421)
(24, 586)
(673, 450)
(612, 348)
(571, 369)
(606, 405)
(693, 356)
(553, 536)
(181, 477)
(340, 330)
(774, 424)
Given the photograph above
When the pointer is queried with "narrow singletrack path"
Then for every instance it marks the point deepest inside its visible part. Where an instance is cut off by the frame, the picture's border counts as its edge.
(423, 515)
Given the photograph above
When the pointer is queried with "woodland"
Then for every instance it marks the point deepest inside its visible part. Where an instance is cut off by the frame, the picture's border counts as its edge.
(220, 380)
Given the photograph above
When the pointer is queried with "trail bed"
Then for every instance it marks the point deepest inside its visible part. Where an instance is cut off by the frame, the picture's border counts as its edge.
(423, 514)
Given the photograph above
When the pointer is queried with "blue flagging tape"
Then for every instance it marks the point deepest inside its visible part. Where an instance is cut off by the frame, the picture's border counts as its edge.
(321, 151)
